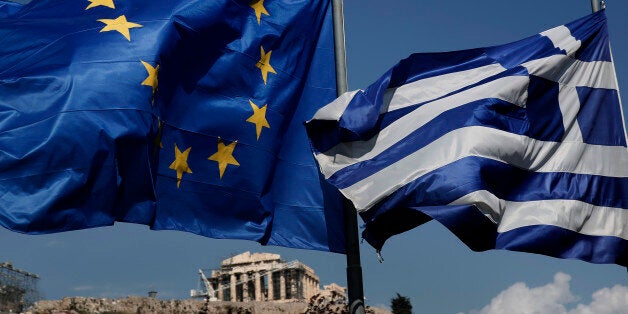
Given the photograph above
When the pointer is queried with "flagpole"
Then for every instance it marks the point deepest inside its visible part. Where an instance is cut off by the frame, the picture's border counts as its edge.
(595, 5)
(352, 243)
(339, 45)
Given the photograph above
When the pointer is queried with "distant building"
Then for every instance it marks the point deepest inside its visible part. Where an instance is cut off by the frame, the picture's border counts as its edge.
(18, 289)
(334, 291)
(265, 277)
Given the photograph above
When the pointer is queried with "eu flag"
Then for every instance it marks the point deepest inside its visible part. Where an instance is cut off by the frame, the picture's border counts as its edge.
(181, 115)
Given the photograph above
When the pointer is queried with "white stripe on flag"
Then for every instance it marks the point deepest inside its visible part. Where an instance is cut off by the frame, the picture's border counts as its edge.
(334, 110)
(569, 104)
(516, 150)
(512, 89)
(434, 87)
(572, 72)
(568, 214)
(561, 38)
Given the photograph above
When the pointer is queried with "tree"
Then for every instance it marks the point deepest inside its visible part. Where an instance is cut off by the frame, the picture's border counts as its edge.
(400, 305)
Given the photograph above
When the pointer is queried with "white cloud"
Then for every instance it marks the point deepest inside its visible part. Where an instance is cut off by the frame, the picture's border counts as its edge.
(606, 301)
(553, 298)
(521, 299)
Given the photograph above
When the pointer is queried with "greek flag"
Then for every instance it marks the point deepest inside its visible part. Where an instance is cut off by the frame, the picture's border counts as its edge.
(520, 146)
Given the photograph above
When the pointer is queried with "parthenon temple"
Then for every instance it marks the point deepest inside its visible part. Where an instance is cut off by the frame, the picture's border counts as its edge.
(266, 277)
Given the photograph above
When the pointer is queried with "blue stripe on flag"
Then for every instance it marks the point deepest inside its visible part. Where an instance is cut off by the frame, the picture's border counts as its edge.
(600, 117)
(361, 115)
(532, 48)
(447, 184)
(425, 65)
(491, 112)
(565, 244)
(478, 232)
(594, 37)
(362, 118)
(391, 116)
(328, 137)
(545, 117)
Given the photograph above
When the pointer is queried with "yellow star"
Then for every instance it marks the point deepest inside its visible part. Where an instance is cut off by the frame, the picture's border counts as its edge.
(264, 64)
(119, 24)
(105, 3)
(258, 118)
(258, 6)
(151, 80)
(224, 156)
(180, 163)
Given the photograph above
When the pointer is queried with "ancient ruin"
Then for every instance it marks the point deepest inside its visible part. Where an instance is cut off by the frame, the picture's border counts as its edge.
(263, 277)
(245, 283)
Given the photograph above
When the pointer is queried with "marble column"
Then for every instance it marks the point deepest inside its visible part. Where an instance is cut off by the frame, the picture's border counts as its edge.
(306, 287)
(245, 287)
(293, 285)
(271, 292)
(232, 289)
(282, 286)
(219, 288)
(258, 287)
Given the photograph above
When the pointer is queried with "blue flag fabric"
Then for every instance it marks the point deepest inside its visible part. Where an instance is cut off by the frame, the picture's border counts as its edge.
(181, 115)
(7, 8)
(519, 147)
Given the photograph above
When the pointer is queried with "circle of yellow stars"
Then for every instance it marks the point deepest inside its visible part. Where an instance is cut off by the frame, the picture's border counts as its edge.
(224, 154)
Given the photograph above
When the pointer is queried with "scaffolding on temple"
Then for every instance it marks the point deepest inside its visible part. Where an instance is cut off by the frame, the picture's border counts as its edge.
(18, 289)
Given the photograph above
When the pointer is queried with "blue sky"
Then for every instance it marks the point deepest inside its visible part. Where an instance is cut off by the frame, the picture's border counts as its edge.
(427, 264)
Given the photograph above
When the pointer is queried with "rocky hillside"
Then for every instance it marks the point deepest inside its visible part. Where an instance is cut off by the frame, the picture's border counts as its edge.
(141, 305)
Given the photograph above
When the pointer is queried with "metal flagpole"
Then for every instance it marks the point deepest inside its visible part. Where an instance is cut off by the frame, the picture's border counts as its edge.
(354, 268)
(339, 44)
(595, 5)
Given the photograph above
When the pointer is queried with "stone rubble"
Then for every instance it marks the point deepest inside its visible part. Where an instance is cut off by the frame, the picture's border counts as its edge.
(146, 305)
